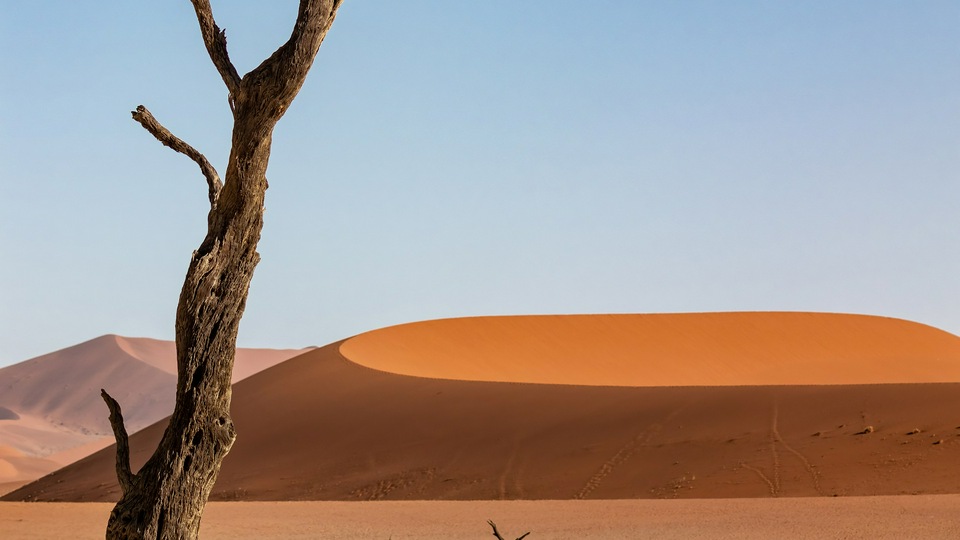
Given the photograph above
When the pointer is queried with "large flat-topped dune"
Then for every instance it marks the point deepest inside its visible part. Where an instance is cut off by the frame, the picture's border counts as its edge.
(650, 406)
(319, 427)
(674, 349)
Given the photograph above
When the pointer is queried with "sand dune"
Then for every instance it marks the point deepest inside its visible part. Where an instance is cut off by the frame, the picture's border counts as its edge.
(50, 406)
(323, 427)
(63, 387)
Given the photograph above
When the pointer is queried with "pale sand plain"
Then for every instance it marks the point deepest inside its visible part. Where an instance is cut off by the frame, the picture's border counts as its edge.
(879, 518)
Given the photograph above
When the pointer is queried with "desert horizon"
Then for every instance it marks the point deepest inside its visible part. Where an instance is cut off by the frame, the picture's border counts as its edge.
(626, 270)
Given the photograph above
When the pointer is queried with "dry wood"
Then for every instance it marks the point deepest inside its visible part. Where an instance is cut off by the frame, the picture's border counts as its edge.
(124, 476)
(497, 533)
(215, 40)
(165, 499)
(143, 116)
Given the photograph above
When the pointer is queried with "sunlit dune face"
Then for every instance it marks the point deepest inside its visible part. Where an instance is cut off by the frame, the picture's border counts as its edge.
(686, 349)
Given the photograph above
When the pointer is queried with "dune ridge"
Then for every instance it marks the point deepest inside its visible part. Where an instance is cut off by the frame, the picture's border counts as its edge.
(675, 349)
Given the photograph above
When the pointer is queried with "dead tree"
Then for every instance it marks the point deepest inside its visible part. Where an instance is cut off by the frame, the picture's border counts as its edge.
(165, 499)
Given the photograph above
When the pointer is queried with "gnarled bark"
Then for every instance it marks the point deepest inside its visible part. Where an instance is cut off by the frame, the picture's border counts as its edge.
(166, 497)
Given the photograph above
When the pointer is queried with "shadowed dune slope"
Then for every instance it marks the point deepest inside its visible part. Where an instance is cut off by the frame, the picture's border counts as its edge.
(682, 349)
(320, 427)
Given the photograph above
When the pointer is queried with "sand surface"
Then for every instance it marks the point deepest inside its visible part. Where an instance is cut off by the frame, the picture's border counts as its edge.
(915, 517)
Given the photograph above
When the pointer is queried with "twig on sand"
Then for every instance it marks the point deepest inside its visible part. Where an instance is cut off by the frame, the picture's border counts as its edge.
(497, 533)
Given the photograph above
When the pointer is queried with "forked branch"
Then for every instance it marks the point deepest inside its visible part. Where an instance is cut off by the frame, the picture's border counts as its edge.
(124, 476)
(279, 78)
(215, 40)
(497, 533)
(143, 116)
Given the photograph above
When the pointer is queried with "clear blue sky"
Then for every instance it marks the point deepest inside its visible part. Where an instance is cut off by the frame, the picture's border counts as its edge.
(500, 157)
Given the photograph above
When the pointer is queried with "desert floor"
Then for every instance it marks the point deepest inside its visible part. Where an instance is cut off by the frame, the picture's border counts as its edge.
(921, 516)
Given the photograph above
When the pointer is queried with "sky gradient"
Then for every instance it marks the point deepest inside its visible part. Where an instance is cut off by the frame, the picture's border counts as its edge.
(451, 159)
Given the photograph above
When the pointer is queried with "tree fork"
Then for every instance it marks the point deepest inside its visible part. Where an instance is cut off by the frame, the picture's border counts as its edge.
(165, 499)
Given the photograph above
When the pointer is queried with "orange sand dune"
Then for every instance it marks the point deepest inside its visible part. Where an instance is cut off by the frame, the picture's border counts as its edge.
(321, 427)
(50, 406)
(683, 349)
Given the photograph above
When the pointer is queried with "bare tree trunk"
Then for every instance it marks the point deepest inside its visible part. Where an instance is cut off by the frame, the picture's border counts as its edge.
(166, 497)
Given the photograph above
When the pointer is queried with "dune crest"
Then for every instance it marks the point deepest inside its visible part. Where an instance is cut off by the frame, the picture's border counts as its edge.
(674, 349)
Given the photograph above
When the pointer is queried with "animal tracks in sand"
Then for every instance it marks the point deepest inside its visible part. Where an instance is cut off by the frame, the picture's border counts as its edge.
(777, 442)
(508, 471)
(411, 479)
(623, 455)
(775, 432)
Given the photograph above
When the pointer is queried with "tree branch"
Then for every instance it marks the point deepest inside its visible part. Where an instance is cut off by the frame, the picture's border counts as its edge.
(282, 74)
(216, 41)
(143, 116)
(124, 476)
(497, 533)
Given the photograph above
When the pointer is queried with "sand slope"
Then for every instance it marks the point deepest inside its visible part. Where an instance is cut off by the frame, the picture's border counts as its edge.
(322, 427)
(50, 406)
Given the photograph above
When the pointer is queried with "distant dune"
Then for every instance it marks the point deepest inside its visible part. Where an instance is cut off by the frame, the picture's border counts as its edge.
(51, 413)
(705, 406)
